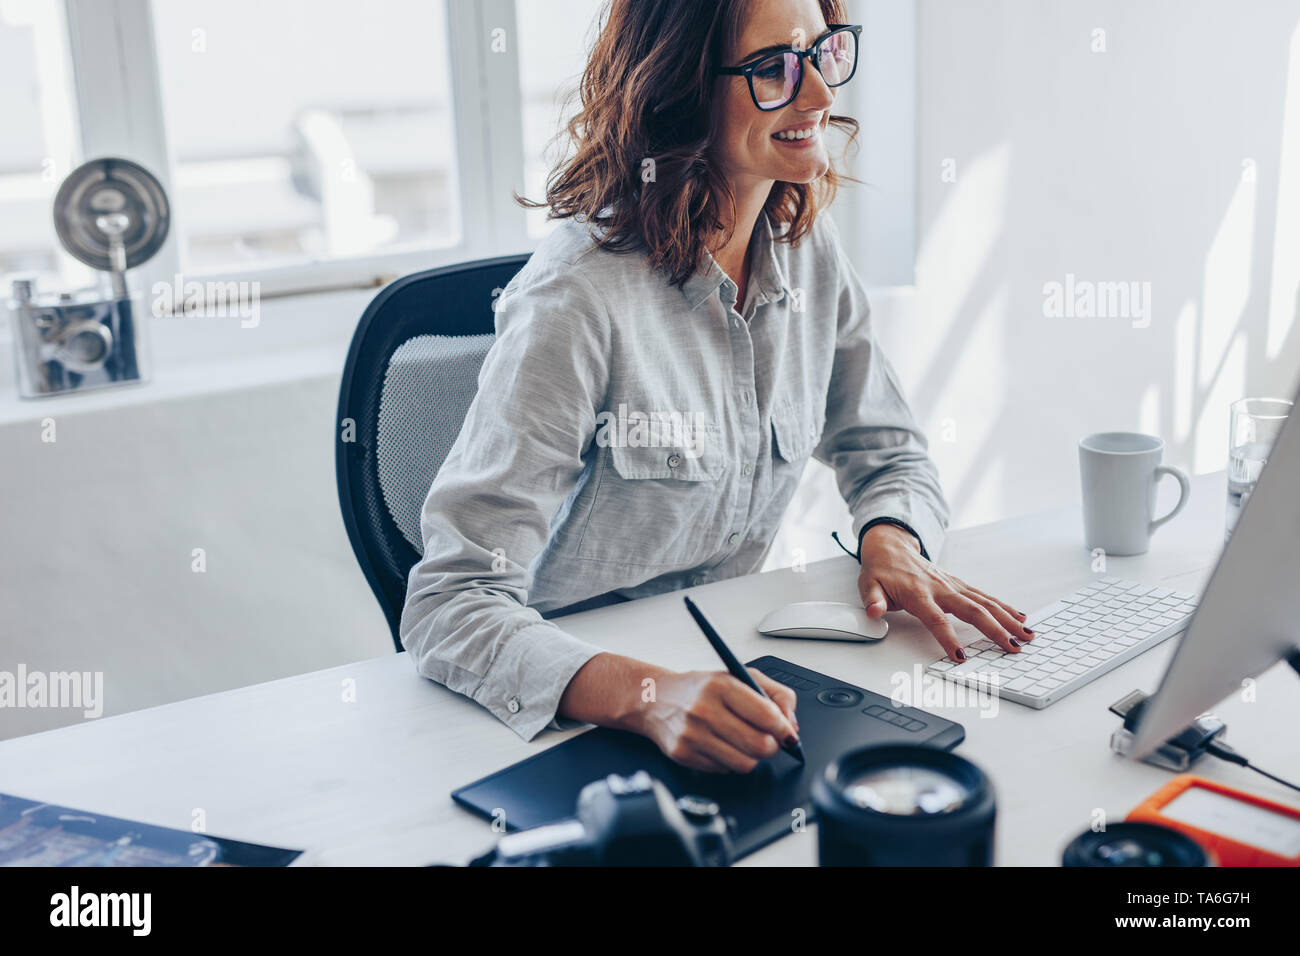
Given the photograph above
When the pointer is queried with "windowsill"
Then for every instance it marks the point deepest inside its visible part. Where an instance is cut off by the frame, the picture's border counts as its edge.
(296, 338)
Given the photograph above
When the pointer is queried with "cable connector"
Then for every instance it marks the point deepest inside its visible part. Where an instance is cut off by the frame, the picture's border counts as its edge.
(1224, 752)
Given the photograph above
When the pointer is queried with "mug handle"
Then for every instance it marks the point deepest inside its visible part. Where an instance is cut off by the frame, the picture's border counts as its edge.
(1184, 484)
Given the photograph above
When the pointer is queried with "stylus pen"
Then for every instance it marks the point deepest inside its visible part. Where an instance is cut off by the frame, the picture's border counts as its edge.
(737, 670)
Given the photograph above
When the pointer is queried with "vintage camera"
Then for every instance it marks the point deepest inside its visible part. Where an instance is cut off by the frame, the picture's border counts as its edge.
(624, 821)
(111, 214)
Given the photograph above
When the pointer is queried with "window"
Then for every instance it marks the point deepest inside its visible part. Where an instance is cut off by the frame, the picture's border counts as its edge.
(306, 129)
(38, 142)
(320, 144)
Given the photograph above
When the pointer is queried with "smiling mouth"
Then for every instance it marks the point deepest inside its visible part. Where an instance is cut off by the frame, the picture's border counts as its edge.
(798, 134)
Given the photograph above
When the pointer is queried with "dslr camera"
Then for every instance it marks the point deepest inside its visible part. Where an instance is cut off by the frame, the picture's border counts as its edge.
(624, 821)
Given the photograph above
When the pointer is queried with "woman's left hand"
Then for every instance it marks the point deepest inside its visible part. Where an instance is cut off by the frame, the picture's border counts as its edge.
(895, 577)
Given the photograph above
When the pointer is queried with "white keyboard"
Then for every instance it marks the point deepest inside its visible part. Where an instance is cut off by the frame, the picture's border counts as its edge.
(1076, 640)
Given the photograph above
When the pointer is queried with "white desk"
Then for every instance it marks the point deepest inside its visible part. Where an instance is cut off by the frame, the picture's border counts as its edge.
(290, 763)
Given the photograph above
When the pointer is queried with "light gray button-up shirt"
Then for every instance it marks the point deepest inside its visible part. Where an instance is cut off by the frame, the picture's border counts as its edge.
(632, 437)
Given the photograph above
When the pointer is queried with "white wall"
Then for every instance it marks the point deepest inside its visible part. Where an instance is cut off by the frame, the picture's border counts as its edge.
(229, 450)
(1172, 158)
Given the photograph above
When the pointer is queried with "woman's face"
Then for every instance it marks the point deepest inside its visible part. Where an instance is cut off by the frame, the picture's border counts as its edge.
(746, 147)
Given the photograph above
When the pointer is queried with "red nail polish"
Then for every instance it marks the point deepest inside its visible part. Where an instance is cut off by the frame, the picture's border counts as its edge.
(959, 654)
(1029, 630)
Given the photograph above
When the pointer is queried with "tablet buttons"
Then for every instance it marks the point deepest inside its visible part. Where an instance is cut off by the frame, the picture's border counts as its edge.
(798, 683)
(895, 718)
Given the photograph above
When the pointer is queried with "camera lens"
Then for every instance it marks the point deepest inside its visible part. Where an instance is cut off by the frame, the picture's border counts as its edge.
(85, 347)
(902, 805)
(1134, 844)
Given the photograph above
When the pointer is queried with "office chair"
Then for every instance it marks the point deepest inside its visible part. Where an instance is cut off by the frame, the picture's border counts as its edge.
(410, 376)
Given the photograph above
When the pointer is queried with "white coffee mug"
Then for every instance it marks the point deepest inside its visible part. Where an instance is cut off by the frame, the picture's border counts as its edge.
(1119, 472)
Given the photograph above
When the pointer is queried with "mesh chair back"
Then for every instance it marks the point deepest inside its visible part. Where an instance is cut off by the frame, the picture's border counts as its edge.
(411, 374)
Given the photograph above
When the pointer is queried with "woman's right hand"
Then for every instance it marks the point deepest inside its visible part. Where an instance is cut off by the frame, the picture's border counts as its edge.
(711, 721)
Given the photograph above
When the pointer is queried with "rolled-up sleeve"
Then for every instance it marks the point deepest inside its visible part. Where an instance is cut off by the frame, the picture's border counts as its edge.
(871, 440)
(518, 456)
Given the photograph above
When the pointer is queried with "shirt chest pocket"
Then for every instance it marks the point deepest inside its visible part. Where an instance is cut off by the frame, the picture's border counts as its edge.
(795, 433)
(658, 506)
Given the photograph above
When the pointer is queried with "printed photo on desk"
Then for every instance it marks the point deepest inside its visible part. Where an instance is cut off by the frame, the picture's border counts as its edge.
(38, 834)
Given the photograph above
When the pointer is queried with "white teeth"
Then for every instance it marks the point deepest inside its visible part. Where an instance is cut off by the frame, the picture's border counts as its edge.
(801, 134)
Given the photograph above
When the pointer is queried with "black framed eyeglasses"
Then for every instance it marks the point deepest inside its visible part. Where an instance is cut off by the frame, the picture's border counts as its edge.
(774, 80)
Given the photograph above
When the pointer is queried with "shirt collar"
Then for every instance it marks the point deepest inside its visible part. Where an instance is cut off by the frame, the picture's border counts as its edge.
(767, 277)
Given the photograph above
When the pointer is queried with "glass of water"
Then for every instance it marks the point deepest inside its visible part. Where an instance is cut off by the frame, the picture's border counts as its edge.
(1255, 425)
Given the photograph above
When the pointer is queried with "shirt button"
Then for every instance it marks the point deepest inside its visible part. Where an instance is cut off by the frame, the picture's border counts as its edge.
(674, 460)
(513, 705)
(748, 469)
(733, 537)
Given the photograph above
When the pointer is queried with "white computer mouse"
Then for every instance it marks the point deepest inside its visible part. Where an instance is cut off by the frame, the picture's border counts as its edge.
(825, 620)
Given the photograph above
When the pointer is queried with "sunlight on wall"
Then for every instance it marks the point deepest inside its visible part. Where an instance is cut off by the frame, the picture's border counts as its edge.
(1223, 345)
(1184, 363)
(1149, 410)
(1210, 450)
(1283, 297)
(1227, 277)
(957, 246)
(956, 252)
(976, 450)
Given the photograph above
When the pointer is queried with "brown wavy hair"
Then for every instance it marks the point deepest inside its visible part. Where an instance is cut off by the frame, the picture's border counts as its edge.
(647, 92)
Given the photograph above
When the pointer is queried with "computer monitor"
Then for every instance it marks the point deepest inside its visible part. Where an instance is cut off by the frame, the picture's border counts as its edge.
(1249, 614)
(1248, 617)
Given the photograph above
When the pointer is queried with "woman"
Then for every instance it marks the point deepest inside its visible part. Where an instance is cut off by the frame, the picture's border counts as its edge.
(664, 366)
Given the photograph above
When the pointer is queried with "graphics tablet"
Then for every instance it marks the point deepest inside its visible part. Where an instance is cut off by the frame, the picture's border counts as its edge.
(834, 717)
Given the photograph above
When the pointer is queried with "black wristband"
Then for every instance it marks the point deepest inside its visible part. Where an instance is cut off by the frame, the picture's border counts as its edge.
(894, 521)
